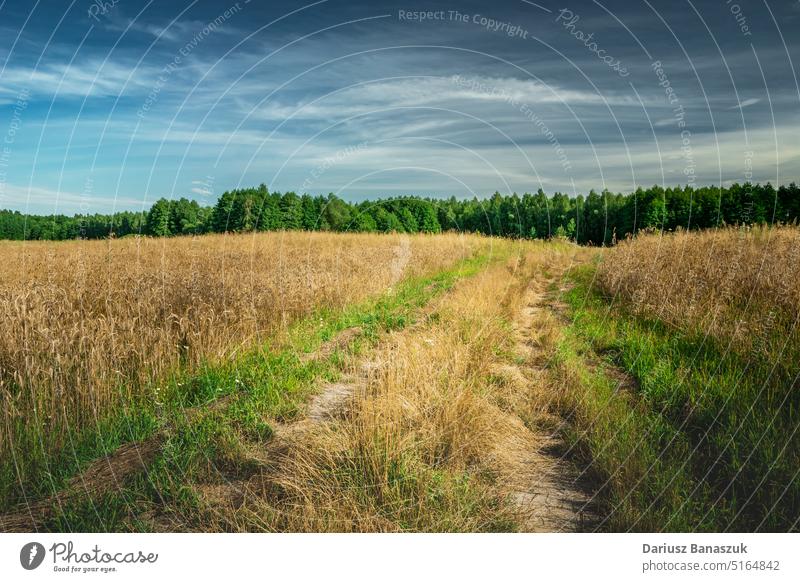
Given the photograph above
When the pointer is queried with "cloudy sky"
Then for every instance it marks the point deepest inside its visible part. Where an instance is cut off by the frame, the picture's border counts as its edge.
(109, 105)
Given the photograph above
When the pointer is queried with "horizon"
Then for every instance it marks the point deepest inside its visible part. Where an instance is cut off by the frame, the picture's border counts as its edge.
(108, 107)
(377, 199)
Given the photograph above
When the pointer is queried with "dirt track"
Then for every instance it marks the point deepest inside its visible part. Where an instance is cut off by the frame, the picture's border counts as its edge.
(541, 486)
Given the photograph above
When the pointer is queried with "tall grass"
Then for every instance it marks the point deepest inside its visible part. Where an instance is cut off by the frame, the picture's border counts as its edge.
(90, 329)
(705, 437)
(738, 286)
(431, 441)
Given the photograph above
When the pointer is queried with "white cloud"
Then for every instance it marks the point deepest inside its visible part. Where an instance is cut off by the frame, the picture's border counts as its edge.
(441, 92)
(180, 30)
(46, 200)
(746, 103)
(91, 77)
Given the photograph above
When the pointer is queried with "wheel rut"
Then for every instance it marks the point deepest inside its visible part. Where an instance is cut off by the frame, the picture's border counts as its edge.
(546, 489)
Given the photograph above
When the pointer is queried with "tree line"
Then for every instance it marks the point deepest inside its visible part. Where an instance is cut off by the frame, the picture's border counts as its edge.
(597, 218)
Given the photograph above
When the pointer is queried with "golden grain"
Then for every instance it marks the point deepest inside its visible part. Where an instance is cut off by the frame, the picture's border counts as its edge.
(88, 326)
(738, 285)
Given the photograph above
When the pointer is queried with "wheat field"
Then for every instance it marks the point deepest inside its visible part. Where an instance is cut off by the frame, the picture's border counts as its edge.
(460, 362)
(705, 325)
(738, 285)
(89, 326)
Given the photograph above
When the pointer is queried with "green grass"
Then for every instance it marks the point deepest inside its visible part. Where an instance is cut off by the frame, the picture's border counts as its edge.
(705, 439)
(266, 382)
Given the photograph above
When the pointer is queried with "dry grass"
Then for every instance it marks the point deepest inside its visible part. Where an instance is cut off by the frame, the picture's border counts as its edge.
(433, 439)
(88, 326)
(738, 285)
(701, 433)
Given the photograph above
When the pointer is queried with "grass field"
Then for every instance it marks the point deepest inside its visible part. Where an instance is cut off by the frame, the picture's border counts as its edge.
(95, 332)
(324, 382)
(679, 369)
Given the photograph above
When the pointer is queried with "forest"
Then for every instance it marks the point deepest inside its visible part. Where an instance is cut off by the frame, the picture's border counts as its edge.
(594, 219)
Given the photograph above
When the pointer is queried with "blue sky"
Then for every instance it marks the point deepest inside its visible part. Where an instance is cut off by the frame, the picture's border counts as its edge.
(111, 105)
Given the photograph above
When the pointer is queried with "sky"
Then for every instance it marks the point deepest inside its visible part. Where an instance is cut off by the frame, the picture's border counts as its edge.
(110, 105)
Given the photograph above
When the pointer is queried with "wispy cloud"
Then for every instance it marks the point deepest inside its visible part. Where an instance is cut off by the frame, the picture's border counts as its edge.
(434, 92)
(746, 103)
(51, 201)
(88, 77)
(444, 107)
(180, 30)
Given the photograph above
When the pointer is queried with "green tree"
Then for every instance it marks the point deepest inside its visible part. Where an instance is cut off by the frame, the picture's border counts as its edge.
(427, 218)
(158, 219)
(337, 213)
(220, 220)
(407, 220)
(185, 217)
(386, 221)
(291, 211)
